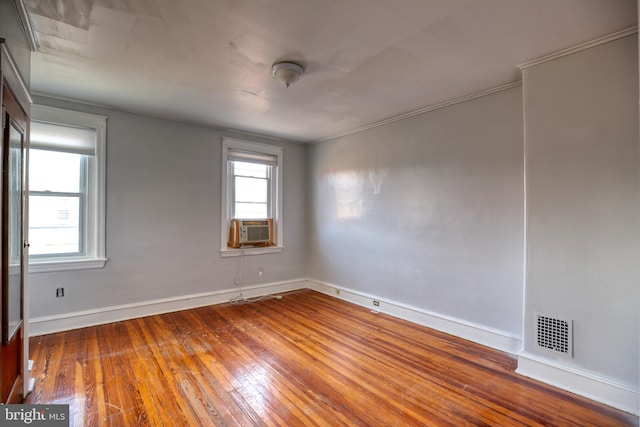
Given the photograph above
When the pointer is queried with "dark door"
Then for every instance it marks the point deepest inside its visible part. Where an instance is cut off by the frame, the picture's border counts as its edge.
(12, 247)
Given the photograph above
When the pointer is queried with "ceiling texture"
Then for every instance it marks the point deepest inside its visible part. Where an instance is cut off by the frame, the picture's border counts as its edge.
(366, 61)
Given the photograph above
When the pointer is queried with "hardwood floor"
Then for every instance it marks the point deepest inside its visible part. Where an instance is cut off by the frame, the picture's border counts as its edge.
(307, 359)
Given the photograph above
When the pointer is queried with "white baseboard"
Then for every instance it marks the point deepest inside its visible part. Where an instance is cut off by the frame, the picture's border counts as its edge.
(493, 338)
(603, 390)
(81, 319)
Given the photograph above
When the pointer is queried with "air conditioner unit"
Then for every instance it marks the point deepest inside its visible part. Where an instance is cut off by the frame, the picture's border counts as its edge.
(251, 232)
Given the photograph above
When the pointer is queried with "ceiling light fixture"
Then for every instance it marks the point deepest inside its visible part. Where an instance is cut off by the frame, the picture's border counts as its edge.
(287, 72)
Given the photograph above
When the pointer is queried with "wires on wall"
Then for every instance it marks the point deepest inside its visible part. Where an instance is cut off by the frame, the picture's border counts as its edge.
(237, 281)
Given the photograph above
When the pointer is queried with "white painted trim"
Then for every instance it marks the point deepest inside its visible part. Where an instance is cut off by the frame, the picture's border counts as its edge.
(480, 334)
(14, 79)
(525, 212)
(426, 109)
(599, 389)
(66, 265)
(276, 193)
(81, 319)
(250, 251)
(96, 195)
(32, 37)
(606, 391)
(168, 117)
(9, 72)
(582, 46)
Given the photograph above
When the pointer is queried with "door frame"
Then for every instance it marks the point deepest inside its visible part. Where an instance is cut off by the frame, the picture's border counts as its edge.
(10, 75)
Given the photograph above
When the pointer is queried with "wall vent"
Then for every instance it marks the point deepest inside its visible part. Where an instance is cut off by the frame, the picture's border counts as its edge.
(554, 334)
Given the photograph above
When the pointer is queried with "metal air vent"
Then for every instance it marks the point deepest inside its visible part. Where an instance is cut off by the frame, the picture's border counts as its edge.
(554, 334)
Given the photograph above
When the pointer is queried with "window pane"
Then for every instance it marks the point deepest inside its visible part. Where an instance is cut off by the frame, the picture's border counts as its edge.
(250, 169)
(251, 210)
(251, 198)
(251, 190)
(54, 171)
(54, 225)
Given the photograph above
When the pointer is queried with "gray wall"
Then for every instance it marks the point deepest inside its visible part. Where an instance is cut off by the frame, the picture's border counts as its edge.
(163, 219)
(427, 211)
(583, 205)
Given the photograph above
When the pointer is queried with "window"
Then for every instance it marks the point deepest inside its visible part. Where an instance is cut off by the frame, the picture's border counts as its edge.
(251, 189)
(66, 190)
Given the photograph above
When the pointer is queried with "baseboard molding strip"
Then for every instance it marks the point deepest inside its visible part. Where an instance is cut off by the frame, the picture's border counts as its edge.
(603, 390)
(619, 396)
(499, 340)
(82, 319)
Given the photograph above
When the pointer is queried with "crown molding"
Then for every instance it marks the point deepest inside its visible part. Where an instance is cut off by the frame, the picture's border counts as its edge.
(32, 38)
(226, 130)
(426, 109)
(582, 46)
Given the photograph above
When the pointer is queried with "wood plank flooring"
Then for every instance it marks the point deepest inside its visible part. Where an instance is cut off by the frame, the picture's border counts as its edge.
(305, 360)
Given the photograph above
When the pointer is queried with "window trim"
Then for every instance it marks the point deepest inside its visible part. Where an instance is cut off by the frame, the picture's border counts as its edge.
(95, 256)
(275, 194)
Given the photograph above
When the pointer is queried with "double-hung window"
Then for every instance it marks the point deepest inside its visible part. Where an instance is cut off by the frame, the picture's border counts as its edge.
(251, 191)
(66, 190)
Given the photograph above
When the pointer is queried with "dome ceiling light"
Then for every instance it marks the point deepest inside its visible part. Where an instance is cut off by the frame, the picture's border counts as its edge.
(287, 72)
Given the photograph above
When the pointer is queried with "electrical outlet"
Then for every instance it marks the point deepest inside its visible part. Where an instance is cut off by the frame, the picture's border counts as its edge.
(376, 303)
(59, 292)
(236, 281)
(260, 271)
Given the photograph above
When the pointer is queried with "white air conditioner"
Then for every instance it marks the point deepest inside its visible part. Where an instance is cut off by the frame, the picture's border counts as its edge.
(250, 232)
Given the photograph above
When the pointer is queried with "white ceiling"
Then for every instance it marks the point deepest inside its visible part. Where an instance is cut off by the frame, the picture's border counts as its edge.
(209, 61)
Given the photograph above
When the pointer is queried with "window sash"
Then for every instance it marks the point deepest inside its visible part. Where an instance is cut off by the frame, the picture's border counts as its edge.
(33, 230)
(82, 196)
(235, 201)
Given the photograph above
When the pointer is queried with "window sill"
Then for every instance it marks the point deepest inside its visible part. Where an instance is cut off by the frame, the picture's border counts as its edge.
(65, 265)
(227, 252)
